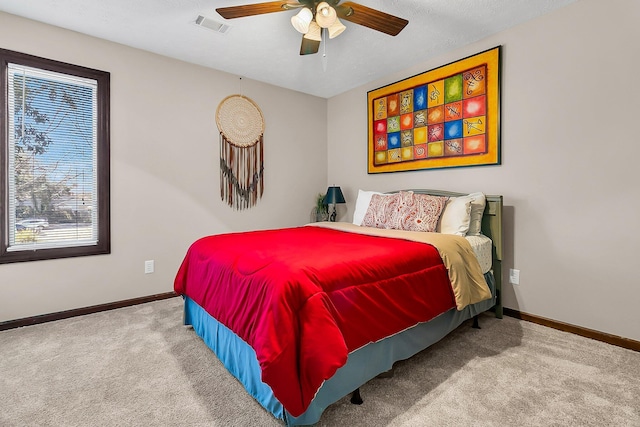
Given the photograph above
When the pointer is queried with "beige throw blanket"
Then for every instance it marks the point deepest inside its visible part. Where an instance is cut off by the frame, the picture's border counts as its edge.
(465, 275)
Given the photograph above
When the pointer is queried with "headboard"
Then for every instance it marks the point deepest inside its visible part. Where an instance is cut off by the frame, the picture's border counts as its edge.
(491, 227)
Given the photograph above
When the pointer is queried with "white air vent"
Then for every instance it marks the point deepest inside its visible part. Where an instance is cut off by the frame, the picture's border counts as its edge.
(211, 24)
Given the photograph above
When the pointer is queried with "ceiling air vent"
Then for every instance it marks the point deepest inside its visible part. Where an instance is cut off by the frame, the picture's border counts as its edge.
(209, 23)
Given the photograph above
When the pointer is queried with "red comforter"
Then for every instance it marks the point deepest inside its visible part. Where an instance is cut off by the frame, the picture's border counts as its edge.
(303, 298)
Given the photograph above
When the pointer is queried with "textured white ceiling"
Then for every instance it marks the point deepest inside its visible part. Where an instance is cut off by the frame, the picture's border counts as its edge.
(266, 47)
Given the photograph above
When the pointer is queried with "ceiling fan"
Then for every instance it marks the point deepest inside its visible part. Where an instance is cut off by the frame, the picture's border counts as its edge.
(317, 17)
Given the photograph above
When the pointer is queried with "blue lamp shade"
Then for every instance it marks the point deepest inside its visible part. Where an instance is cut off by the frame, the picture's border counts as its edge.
(334, 196)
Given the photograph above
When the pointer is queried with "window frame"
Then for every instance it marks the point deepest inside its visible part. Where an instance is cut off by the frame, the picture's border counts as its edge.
(103, 245)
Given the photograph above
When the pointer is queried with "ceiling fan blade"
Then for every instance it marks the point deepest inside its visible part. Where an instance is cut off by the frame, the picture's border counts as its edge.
(309, 46)
(256, 9)
(372, 18)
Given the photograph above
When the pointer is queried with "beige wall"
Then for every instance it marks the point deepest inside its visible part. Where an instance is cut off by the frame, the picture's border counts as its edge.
(164, 170)
(570, 152)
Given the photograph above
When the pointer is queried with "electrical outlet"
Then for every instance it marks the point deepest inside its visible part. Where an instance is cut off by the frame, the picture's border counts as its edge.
(148, 266)
(514, 276)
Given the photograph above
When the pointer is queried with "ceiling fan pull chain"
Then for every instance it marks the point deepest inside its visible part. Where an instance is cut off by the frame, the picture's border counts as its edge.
(325, 40)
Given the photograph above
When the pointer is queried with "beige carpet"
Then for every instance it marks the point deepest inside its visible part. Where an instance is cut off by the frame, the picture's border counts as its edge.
(138, 366)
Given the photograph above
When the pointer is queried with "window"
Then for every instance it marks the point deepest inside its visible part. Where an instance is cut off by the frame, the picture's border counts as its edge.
(54, 159)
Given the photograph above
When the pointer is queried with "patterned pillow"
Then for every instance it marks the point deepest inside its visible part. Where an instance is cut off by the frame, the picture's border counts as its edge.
(404, 211)
(420, 212)
(383, 211)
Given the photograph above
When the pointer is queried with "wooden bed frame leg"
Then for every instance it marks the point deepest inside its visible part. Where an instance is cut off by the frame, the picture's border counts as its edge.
(356, 399)
(476, 323)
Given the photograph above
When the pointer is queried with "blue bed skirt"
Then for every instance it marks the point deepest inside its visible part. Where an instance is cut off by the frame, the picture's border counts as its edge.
(362, 365)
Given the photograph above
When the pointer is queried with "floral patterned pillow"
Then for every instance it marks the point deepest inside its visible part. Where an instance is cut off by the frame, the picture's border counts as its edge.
(404, 211)
(420, 212)
(383, 212)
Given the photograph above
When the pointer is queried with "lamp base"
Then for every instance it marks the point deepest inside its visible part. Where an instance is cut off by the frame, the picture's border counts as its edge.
(333, 215)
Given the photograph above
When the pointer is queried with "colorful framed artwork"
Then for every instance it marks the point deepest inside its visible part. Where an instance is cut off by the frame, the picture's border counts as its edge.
(446, 117)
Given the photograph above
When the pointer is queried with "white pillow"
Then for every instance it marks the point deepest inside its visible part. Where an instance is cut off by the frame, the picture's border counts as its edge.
(362, 204)
(456, 216)
(478, 201)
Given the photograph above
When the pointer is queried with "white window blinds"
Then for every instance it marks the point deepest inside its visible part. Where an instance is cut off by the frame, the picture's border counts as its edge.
(52, 159)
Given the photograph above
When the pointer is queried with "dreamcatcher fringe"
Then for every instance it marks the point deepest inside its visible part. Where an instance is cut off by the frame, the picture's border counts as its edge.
(241, 173)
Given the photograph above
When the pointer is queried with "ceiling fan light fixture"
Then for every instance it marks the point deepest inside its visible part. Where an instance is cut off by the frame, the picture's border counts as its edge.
(302, 19)
(314, 33)
(325, 15)
(336, 29)
(317, 20)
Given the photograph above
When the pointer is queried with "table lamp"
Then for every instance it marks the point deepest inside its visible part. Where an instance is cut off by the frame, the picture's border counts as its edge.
(334, 196)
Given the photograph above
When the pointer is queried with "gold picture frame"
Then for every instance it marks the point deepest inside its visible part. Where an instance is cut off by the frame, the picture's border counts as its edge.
(442, 118)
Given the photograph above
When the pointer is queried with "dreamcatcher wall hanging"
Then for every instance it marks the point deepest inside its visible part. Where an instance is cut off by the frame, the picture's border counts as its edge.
(241, 127)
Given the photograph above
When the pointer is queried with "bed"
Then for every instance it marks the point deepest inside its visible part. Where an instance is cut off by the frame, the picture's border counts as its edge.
(306, 328)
